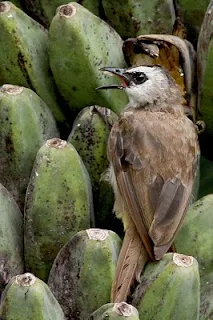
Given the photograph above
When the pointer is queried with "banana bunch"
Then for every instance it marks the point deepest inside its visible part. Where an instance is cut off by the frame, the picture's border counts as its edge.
(59, 237)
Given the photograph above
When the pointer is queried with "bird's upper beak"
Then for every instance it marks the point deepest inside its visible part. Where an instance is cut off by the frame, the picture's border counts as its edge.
(121, 73)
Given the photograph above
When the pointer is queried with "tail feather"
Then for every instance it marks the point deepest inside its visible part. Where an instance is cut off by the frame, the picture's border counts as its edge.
(131, 262)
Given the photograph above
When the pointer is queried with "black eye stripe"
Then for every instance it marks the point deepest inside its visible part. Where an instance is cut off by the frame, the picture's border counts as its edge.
(138, 77)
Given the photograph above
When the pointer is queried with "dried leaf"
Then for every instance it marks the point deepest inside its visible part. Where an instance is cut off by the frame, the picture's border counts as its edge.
(170, 51)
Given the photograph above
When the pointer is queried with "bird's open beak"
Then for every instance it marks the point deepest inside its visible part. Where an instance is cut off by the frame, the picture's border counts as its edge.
(121, 73)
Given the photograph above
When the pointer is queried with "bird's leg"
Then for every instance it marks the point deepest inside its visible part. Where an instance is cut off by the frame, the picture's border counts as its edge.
(172, 248)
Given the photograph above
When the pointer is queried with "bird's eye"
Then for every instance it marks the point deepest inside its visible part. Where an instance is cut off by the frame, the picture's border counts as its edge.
(139, 78)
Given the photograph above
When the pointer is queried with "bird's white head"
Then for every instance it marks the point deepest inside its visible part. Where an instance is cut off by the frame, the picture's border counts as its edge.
(145, 85)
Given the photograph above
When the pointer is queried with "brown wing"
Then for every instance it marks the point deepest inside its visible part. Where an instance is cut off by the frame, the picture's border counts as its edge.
(116, 151)
(154, 157)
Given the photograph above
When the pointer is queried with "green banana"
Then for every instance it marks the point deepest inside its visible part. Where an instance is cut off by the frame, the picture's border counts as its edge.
(191, 14)
(206, 176)
(17, 3)
(27, 297)
(11, 238)
(43, 11)
(82, 273)
(24, 55)
(88, 43)
(26, 123)
(206, 301)
(89, 136)
(132, 18)
(169, 289)
(58, 204)
(195, 236)
(115, 311)
(204, 71)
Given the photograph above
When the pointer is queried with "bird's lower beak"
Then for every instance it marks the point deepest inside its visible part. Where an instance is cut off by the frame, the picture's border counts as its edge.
(121, 73)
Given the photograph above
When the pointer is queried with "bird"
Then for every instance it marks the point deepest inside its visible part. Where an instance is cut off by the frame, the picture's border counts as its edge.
(153, 151)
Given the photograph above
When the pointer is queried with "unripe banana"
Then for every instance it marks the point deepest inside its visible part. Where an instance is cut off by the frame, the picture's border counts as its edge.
(25, 124)
(24, 57)
(82, 273)
(115, 311)
(88, 43)
(58, 204)
(11, 238)
(169, 289)
(131, 18)
(28, 298)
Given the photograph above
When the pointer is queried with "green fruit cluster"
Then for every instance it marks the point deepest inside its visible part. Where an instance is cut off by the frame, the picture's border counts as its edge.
(59, 237)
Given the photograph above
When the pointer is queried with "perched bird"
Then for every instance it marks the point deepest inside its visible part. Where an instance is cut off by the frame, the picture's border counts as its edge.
(153, 152)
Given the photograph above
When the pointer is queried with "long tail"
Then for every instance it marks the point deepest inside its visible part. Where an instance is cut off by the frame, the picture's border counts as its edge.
(131, 262)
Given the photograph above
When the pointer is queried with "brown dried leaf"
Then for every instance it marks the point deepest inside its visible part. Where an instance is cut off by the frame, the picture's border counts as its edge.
(169, 51)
